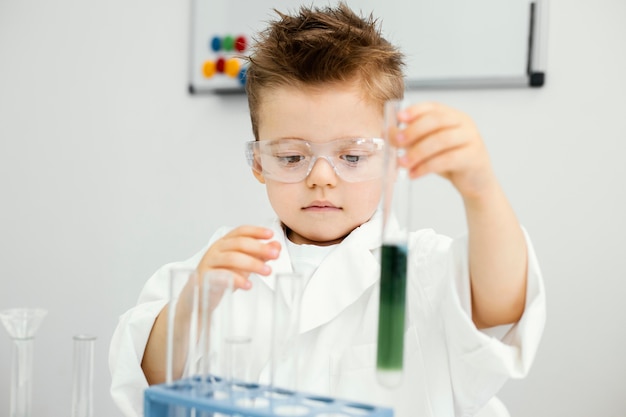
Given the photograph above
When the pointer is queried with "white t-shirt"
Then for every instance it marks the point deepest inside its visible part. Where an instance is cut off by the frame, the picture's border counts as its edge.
(306, 258)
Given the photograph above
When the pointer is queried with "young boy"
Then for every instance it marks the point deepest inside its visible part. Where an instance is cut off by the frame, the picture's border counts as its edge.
(317, 80)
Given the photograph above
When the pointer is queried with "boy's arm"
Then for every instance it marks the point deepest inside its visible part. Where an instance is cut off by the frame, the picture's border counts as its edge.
(153, 362)
(497, 259)
(444, 141)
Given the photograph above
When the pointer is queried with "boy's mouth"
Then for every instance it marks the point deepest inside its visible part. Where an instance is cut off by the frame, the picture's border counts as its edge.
(321, 206)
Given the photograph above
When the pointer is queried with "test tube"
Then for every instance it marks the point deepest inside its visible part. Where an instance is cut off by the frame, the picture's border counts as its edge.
(181, 322)
(284, 355)
(82, 380)
(239, 329)
(216, 290)
(394, 253)
(182, 327)
(240, 359)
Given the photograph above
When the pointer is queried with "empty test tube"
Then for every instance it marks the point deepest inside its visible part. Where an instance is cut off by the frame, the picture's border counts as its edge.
(285, 329)
(82, 380)
(216, 290)
(180, 327)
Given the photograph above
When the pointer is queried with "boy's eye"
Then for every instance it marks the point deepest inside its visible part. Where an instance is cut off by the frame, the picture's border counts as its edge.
(353, 159)
(290, 159)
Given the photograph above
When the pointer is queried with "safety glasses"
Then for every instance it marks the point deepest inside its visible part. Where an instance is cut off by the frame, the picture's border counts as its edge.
(291, 160)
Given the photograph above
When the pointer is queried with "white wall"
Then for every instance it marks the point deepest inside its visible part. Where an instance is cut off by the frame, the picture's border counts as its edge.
(108, 169)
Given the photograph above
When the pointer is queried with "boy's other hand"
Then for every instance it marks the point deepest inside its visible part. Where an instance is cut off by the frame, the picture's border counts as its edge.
(244, 250)
(445, 141)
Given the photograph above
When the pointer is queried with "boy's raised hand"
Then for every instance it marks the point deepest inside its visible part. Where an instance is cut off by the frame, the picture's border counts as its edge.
(445, 141)
(243, 250)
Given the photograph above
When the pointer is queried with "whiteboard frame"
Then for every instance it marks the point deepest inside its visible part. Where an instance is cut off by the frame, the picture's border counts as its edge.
(534, 77)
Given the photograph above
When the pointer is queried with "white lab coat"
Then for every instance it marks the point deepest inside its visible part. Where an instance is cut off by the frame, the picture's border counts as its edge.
(450, 367)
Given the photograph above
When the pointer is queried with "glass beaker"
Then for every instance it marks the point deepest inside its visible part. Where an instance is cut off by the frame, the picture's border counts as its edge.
(82, 378)
(22, 324)
(394, 253)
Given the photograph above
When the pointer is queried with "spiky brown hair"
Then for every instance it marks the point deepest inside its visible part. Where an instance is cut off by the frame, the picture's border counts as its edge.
(320, 46)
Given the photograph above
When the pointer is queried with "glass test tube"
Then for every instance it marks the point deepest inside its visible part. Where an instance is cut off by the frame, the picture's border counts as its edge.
(182, 327)
(393, 275)
(22, 324)
(239, 328)
(181, 322)
(285, 329)
(239, 360)
(216, 290)
(82, 378)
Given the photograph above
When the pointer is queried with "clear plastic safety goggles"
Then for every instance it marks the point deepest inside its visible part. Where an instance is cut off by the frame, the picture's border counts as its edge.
(291, 160)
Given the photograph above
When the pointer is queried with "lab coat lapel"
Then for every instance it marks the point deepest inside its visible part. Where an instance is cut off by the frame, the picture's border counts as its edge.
(342, 278)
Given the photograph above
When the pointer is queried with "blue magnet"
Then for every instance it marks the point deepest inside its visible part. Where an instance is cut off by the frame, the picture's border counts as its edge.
(242, 75)
(216, 43)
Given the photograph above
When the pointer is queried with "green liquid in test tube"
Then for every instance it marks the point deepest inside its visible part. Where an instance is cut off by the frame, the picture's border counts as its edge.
(391, 313)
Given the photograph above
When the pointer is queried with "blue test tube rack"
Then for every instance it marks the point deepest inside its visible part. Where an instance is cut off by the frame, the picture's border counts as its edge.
(191, 396)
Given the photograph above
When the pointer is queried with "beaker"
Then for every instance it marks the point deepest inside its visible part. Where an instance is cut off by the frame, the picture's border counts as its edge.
(82, 377)
(22, 324)
(397, 215)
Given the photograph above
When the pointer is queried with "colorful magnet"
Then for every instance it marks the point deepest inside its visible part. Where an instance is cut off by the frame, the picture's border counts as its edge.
(216, 43)
(208, 69)
(241, 43)
(229, 43)
(231, 67)
(219, 65)
(242, 75)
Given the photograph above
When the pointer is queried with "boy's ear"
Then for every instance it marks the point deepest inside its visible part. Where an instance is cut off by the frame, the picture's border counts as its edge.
(260, 178)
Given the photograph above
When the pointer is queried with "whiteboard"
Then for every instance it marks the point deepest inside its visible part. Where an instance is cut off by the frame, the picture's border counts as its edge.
(447, 43)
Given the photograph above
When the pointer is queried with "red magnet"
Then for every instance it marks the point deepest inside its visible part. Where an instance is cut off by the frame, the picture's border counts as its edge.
(241, 43)
(219, 66)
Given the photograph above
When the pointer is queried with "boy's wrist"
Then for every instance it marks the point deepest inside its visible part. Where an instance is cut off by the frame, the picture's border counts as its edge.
(484, 196)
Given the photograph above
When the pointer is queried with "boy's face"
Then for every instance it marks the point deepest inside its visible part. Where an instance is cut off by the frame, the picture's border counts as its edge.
(323, 208)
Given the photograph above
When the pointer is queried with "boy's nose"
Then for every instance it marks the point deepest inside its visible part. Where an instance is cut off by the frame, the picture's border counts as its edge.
(322, 173)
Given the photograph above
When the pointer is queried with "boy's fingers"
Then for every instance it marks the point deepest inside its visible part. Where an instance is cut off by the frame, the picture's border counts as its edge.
(250, 246)
(238, 261)
(429, 124)
(415, 111)
(436, 143)
(242, 282)
(256, 232)
(244, 250)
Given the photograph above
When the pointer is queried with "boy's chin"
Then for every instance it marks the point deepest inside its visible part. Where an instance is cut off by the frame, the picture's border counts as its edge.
(319, 239)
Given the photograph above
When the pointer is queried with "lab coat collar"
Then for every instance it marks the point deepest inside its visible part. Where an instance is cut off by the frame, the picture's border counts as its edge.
(341, 279)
